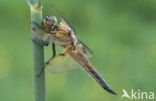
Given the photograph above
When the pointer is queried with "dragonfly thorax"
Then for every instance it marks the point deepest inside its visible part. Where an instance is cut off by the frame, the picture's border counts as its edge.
(70, 32)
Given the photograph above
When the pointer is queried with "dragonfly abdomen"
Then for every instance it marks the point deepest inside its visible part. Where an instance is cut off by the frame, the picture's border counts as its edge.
(98, 79)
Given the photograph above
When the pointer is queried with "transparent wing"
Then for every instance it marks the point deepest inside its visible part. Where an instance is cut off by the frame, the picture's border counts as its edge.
(57, 37)
(41, 34)
(62, 63)
(85, 49)
(63, 19)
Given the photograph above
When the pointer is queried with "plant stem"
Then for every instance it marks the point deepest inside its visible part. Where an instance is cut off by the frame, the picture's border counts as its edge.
(38, 52)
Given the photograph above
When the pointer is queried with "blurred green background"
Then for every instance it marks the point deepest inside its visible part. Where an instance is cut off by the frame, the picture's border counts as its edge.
(122, 34)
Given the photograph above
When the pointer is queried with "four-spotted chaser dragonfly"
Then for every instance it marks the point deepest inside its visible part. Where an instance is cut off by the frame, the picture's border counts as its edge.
(74, 53)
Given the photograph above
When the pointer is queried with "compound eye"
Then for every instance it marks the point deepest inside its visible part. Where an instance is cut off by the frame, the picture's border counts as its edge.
(54, 20)
(50, 18)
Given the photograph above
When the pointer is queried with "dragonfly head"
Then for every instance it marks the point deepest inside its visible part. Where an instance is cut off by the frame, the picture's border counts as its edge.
(50, 20)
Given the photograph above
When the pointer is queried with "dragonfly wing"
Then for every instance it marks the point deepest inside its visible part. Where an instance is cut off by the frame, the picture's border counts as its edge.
(62, 18)
(62, 63)
(85, 49)
(80, 57)
(57, 37)
(41, 34)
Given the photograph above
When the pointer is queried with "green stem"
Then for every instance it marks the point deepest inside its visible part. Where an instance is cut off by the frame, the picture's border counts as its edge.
(38, 52)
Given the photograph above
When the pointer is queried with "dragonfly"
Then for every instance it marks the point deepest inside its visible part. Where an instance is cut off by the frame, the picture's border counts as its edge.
(75, 53)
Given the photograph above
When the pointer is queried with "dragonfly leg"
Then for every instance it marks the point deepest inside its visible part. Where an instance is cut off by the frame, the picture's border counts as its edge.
(38, 25)
(54, 53)
(67, 48)
(54, 27)
(40, 44)
(54, 50)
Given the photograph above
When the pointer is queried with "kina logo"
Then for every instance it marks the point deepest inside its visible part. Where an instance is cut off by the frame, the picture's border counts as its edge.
(138, 94)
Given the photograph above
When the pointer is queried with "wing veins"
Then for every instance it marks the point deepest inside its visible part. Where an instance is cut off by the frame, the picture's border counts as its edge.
(86, 47)
(62, 18)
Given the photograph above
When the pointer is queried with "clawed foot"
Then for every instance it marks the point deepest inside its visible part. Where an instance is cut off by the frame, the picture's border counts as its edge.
(38, 25)
(40, 44)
